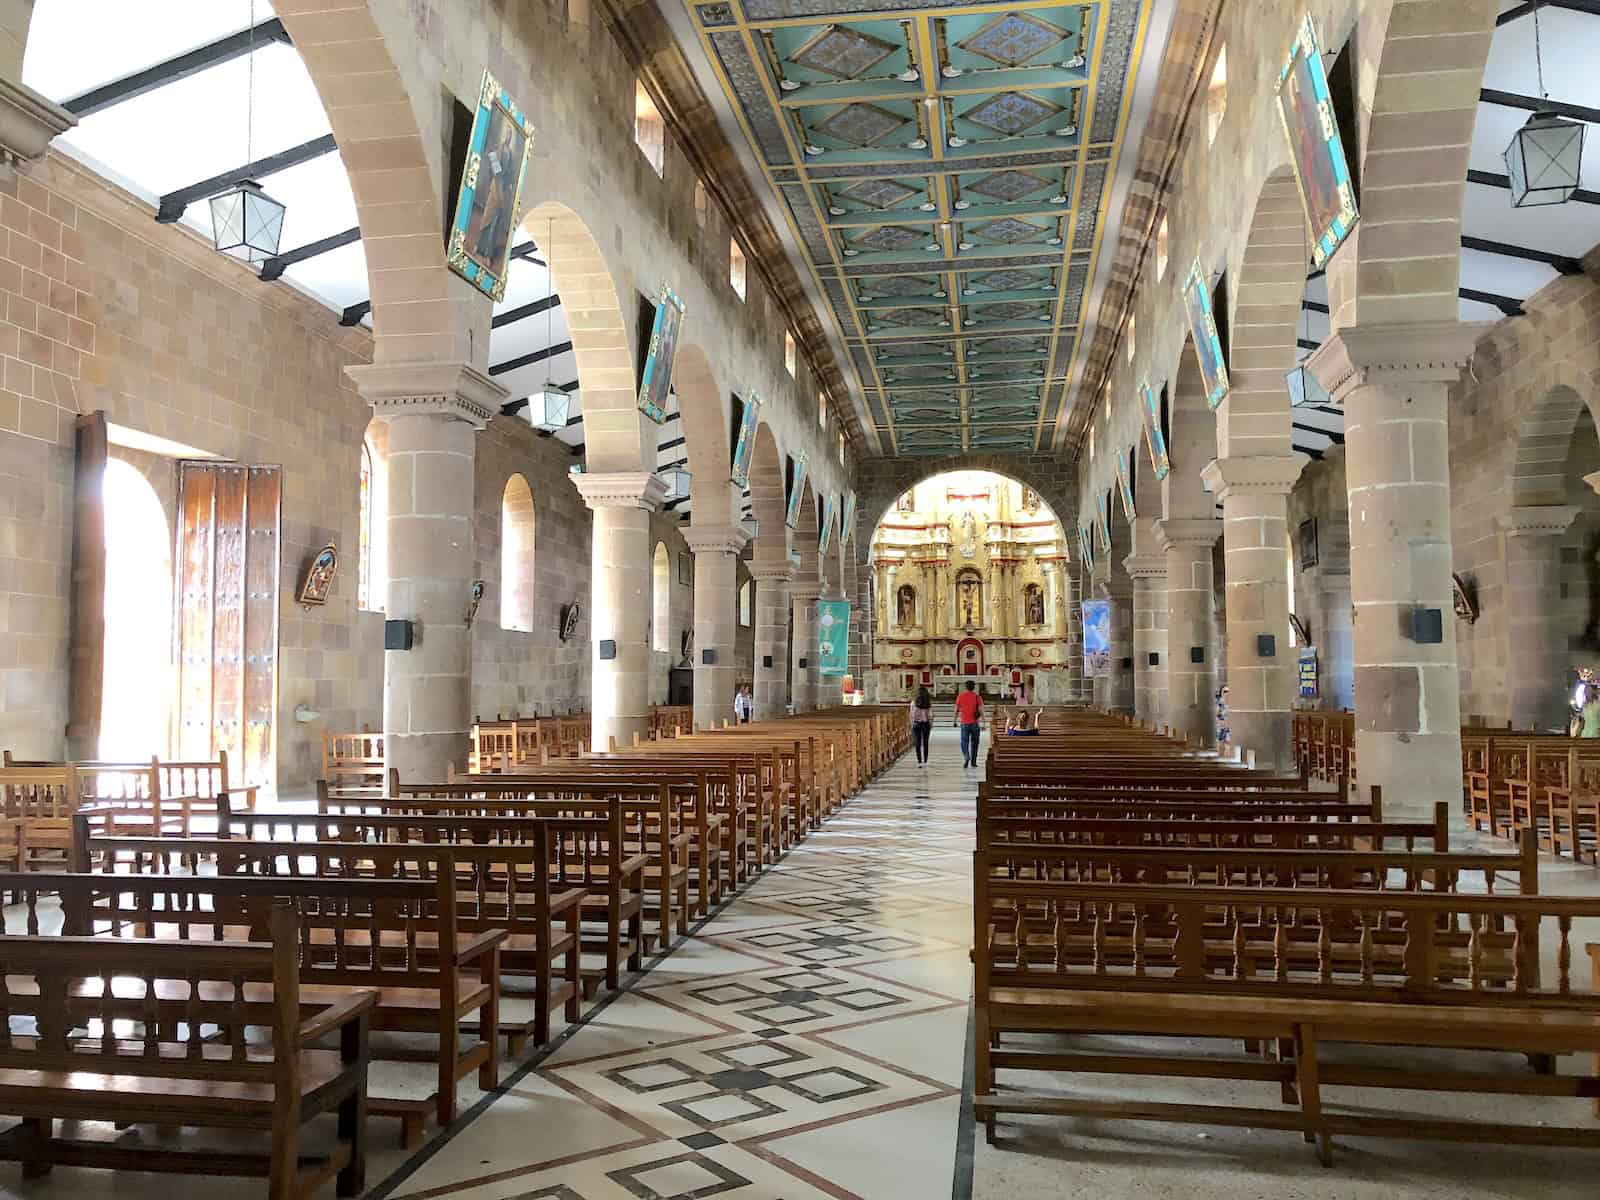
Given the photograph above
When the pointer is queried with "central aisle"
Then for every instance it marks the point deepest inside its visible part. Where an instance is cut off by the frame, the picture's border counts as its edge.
(806, 1042)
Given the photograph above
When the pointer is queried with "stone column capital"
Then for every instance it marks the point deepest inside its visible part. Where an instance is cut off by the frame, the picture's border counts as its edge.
(805, 591)
(621, 489)
(1593, 480)
(1425, 352)
(1145, 566)
(1192, 531)
(28, 124)
(1264, 474)
(448, 389)
(1537, 520)
(771, 572)
(717, 539)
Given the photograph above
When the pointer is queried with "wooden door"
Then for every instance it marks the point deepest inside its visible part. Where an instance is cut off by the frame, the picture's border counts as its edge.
(86, 674)
(228, 615)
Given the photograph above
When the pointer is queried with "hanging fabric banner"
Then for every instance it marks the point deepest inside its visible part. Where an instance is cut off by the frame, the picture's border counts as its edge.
(833, 637)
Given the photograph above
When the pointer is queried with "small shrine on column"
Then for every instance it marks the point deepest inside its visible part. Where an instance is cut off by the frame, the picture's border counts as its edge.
(970, 582)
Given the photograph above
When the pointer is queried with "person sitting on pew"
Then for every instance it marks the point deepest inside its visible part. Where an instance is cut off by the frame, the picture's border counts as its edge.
(1022, 725)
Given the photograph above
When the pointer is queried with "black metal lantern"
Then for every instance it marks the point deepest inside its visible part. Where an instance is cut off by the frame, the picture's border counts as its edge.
(246, 222)
(1544, 161)
(1305, 389)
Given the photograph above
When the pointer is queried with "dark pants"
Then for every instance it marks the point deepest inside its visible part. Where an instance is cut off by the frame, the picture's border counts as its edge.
(921, 731)
(969, 744)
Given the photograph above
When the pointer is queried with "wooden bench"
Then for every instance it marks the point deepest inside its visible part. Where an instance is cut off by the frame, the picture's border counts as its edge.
(352, 764)
(402, 936)
(186, 1059)
(1300, 968)
(37, 804)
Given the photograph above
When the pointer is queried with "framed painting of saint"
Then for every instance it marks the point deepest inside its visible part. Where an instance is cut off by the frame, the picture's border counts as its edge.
(318, 582)
(1203, 325)
(744, 445)
(1124, 482)
(847, 520)
(797, 490)
(1320, 167)
(828, 508)
(488, 206)
(657, 379)
(1155, 441)
(1102, 518)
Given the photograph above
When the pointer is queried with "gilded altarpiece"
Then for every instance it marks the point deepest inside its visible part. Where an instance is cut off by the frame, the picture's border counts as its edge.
(970, 583)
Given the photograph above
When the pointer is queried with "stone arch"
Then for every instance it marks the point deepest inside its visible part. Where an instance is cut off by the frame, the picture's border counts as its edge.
(1263, 327)
(806, 532)
(767, 500)
(705, 422)
(1191, 440)
(421, 311)
(661, 600)
(617, 437)
(1538, 468)
(1404, 264)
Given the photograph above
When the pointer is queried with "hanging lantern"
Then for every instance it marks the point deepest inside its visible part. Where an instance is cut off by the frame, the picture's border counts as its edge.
(547, 410)
(1305, 389)
(752, 527)
(1544, 161)
(677, 480)
(246, 222)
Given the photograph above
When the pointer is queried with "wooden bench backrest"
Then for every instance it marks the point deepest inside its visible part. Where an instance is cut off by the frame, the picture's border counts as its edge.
(40, 793)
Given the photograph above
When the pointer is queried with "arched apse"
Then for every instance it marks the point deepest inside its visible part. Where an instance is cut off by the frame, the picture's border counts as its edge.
(617, 436)
(135, 717)
(703, 405)
(806, 533)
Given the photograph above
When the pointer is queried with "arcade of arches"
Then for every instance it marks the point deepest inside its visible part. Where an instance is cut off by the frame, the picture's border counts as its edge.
(1181, 369)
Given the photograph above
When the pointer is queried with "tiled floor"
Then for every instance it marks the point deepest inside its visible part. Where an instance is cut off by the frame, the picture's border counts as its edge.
(806, 1042)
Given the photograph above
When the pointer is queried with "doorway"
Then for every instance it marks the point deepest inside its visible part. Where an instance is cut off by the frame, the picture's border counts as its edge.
(136, 697)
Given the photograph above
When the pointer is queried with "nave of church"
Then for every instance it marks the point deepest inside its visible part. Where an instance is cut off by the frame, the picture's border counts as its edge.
(498, 501)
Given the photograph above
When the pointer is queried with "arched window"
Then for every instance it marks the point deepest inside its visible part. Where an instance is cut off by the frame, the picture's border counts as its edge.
(372, 571)
(661, 619)
(516, 556)
(746, 603)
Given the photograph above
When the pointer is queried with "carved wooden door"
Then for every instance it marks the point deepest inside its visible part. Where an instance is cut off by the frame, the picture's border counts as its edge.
(228, 549)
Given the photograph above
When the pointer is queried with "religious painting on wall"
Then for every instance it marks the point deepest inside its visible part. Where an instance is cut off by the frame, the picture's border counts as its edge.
(657, 379)
(1102, 519)
(744, 446)
(1207, 345)
(1320, 167)
(487, 207)
(318, 582)
(1307, 537)
(1155, 441)
(827, 525)
(907, 503)
(1125, 482)
(847, 521)
(1096, 638)
(797, 490)
(833, 637)
(1086, 546)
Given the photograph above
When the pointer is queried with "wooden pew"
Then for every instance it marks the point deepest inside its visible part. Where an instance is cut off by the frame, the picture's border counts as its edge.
(189, 1051)
(352, 764)
(406, 939)
(37, 804)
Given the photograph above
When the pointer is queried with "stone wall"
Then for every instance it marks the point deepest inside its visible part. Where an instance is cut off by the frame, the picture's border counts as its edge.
(1322, 591)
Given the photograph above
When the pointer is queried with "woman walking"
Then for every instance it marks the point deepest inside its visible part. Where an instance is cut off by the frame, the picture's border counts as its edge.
(922, 724)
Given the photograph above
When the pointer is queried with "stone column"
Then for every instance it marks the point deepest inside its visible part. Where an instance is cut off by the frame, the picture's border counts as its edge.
(433, 412)
(772, 637)
(620, 602)
(1072, 592)
(1149, 575)
(1119, 694)
(1191, 710)
(28, 121)
(1254, 493)
(1535, 642)
(803, 676)
(1333, 636)
(1393, 381)
(716, 619)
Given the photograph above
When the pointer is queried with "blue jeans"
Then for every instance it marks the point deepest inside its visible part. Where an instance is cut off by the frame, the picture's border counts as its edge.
(969, 743)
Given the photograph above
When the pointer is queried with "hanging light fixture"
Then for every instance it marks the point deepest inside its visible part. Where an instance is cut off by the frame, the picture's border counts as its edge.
(548, 409)
(677, 480)
(245, 221)
(1305, 389)
(1544, 161)
(752, 526)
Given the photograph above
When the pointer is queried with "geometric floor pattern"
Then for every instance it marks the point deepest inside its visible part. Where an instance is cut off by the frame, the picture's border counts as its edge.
(806, 1042)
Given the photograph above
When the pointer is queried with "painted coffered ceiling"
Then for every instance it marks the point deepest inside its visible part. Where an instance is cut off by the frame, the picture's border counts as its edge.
(946, 174)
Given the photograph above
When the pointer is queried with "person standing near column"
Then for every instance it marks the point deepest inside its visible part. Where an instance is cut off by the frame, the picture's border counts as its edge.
(969, 711)
(743, 704)
(922, 724)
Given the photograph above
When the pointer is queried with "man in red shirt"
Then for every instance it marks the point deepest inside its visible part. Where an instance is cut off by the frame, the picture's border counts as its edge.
(969, 710)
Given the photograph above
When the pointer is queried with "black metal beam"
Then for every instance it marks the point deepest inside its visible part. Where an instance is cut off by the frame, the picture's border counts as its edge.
(1591, 7)
(671, 444)
(512, 315)
(275, 266)
(172, 204)
(235, 45)
(673, 465)
(1310, 452)
(523, 360)
(1495, 180)
(1574, 112)
(1333, 435)
(353, 314)
(1561, 262)
(1307, 344)
(527, 250)
(1314, 306)
(1506, 304)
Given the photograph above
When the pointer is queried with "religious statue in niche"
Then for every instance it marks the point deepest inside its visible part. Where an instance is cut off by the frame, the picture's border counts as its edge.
(905, 606)
(1030, 500)
(907, 503)
(1033, 604)
(969, 536)
(969, 599)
